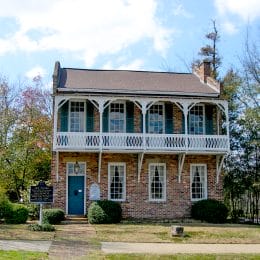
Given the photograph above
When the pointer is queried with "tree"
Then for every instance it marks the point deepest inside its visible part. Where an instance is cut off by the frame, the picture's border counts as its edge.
(210, 51)
(242, 182)
(25, 139)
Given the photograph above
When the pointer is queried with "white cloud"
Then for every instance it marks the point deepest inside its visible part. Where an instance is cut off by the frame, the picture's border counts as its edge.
(136, 64)
(248, 10)
(85, 27)
(178, 10)
(34, 72)
(229, 27)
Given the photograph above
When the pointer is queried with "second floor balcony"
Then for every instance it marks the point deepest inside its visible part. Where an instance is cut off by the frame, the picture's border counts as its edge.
(69, 141)
(140, 125)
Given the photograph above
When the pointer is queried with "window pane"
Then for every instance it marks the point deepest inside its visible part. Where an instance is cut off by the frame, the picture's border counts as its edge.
(157, 182)
(70, 169)
(117, 179)
(77, 116)
(198, 186)
(196, 120)
(156, 119)
(117, 117)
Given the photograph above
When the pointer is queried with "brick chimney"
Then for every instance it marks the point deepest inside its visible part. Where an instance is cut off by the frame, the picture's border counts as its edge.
(203, 71)
(55, 76)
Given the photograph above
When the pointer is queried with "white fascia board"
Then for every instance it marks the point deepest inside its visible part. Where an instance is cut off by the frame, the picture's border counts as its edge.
(137, 92)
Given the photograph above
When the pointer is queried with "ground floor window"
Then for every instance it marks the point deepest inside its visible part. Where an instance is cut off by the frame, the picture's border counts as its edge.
(157, 182)
(198, 176)
(116, 181)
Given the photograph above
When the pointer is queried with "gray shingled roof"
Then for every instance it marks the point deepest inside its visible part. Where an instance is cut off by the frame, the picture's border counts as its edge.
(135, 82)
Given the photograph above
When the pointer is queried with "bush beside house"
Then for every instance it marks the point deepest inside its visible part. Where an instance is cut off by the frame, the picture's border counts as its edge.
(53, 216)
(104, 212)
(209, 210)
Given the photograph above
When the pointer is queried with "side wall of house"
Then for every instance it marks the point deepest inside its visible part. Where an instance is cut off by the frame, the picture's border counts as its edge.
(137, 204)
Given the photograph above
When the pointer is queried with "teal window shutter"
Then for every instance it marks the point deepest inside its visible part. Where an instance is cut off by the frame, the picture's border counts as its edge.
(183, 123)
(64, 117)
(168, 118)
(129, 117)
(105, 120)
(209, 119)
(90, 117)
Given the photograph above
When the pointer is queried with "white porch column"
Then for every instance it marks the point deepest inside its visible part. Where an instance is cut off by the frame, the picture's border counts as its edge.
(185, 114)
(55, 124)
(227, 121)
(101, 103)
(144, 110)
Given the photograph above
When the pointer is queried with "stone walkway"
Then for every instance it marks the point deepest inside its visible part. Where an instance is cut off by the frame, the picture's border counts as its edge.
(72, 241)
(27, 245)
(171, 248)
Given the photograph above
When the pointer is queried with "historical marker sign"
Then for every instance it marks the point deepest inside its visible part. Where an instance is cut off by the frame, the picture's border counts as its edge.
(41, 193)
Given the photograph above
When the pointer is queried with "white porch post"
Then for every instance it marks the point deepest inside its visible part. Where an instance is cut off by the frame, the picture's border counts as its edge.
(144, 110)
(185, 113)
(101, 110)
(55, 120)
(227, 121)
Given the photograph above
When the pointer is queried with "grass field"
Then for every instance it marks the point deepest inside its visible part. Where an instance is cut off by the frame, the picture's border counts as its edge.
(193, 233)
(22, 255)
(132, 232)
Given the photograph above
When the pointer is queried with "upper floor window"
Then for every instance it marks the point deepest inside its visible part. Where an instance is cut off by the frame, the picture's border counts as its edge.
(116, 181)
(117, 117)
(198, 177)
(157, 182)
(156, 119)
(196, 120)
(77, 116)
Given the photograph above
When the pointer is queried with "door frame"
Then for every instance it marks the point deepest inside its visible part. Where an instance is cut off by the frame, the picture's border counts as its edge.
(67, 184)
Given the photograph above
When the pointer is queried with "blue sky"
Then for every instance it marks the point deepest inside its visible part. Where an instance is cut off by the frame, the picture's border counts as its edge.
(152, 35)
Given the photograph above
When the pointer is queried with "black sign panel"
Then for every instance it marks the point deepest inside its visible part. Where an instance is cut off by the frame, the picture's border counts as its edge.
(41, 193)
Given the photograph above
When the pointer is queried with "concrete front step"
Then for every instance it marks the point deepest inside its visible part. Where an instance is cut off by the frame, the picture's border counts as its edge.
(75, 220)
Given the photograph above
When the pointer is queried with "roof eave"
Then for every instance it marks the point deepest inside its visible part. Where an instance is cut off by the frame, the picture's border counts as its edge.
(136, 92)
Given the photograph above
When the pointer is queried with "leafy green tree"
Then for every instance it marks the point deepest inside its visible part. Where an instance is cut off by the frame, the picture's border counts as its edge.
(242, 181)
(26, 145)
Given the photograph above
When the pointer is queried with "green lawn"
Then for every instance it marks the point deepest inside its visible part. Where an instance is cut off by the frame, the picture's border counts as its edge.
(23, 255)
(132, 232)
(193, 233)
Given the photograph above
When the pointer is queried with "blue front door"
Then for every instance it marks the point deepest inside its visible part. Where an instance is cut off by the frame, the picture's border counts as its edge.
(76, 195)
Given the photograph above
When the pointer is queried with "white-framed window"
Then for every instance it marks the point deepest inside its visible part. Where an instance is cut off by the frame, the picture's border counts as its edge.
(77, 116)
(116, 181)
(197, 120)
(156, 124)
(157, 181)
(198, 181)
(71, 168)
(117, 117)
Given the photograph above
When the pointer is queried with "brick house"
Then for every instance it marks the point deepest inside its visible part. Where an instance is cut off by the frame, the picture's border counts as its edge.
(153, 141)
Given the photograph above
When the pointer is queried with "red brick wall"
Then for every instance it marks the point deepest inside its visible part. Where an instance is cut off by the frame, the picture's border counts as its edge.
(137, 204)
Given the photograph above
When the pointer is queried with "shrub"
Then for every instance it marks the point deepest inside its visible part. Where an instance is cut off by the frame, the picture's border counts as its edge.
(209, 210)
(5, 206)
(96, 214)
(104, 211)
(17, 215)
(112, 209)
(53, 216)
(43, 227)
(33, 211)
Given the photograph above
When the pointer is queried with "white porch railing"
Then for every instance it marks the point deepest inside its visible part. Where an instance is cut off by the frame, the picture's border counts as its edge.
(149, 142)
